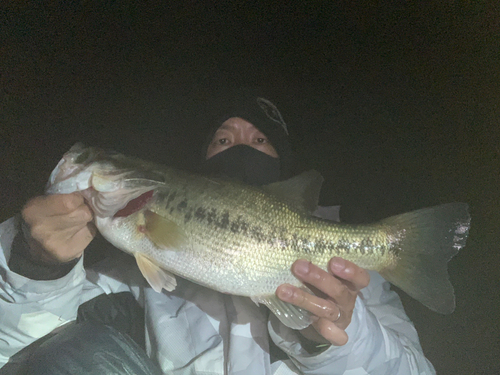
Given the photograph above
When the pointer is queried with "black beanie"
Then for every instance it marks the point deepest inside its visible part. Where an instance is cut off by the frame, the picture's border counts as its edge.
(252, 106)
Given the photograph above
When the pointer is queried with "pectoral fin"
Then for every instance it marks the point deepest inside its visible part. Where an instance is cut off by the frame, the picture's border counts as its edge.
(157, 277)
(290, 315)
(165, 233)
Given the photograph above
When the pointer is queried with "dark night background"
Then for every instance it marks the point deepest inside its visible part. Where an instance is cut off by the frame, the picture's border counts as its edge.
(396, 103)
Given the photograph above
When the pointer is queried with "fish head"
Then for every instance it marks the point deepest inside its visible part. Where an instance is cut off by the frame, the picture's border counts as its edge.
(113, 185)
(74, 171)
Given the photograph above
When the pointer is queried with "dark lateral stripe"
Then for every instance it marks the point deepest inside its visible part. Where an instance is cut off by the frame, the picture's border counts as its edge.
(222, 219)
(366, 246)
(321, 246)
(343, 245)
(182, 205)
(188, 216)
(200, 214)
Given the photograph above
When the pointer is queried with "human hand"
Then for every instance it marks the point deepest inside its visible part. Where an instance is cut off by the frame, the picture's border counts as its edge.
(59, 227)
(333, 305)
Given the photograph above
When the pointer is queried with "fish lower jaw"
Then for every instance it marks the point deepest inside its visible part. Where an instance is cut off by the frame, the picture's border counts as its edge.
(64, 182)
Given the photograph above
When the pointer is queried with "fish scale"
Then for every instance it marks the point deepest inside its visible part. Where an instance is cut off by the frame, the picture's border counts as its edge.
(243, 240)
(240, 249)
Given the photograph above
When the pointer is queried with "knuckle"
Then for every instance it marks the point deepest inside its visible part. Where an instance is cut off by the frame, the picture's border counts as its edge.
(70, 202)
(48, 242)
(87, 214)
(81, 214)
(57, 250)
(299, 297)
(28, 212)
(38, 233)
(320, 279)
(325, 278)
(331, 313)
(86, 236)
(339, 291)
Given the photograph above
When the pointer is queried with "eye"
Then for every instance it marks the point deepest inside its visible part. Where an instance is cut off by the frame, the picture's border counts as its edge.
(82, 158)
(261, 140)
(222, 141)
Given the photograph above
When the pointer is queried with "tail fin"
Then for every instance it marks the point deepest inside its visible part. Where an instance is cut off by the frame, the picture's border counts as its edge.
(424, 241)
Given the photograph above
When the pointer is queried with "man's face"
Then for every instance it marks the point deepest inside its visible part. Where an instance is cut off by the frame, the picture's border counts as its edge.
(236, 131)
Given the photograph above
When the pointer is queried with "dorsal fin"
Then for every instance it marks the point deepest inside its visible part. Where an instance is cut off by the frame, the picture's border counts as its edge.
(302, 191)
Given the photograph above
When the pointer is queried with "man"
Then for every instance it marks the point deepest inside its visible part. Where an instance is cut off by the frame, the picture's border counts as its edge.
(360, 326)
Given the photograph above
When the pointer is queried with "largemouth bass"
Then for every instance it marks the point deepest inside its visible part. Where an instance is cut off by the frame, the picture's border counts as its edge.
(242, 240)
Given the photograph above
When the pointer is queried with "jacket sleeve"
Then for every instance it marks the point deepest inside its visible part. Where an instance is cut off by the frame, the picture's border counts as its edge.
(29, 309)
(382, 339)
(23, 263)
(35, 301)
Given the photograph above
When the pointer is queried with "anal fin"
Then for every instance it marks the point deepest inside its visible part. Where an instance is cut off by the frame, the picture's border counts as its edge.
(290, 315)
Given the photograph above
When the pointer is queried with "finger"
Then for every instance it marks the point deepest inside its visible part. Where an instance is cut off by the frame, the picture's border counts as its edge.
(71, 223)
(52, 205)
(318, 306)
(342, 292)
(83, 237)
(331, 331)
(74, 220)
(70, 231)
(357, 277)
(63, 246)
(81, 215)
(72, 201)
(55, 231)
(321, 280)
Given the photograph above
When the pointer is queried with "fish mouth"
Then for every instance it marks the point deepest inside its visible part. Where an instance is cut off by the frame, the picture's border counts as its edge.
(74, 171)
(67, 178)
(112, 186)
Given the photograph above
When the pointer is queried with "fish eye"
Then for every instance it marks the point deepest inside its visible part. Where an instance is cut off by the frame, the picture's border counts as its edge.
(82, 157)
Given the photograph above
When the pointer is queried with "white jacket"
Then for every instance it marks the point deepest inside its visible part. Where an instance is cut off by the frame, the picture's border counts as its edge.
(195, 330)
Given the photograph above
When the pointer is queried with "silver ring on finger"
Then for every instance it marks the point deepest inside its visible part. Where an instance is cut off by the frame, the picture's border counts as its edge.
(338, 317)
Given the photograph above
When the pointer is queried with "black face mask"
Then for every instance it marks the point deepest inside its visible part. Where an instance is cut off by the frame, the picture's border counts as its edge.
(243, 163)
